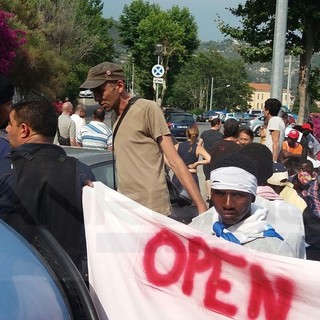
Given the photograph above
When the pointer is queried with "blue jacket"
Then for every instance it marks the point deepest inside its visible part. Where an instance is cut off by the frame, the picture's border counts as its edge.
(4, 147)
(41, 185)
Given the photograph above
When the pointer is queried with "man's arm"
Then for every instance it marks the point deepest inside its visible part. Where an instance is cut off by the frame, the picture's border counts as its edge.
(181, 171)
(72, 134)
(275, 135)
(73, 142)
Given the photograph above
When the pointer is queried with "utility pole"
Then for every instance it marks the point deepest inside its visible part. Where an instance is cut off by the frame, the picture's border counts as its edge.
(289, 83)
(159, 51)
(211, 94)
(279, 45)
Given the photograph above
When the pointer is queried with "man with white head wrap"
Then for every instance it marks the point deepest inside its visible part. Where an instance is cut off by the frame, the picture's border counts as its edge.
(234, 216)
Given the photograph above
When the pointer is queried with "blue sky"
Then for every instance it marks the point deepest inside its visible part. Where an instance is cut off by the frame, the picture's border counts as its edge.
(204, 11)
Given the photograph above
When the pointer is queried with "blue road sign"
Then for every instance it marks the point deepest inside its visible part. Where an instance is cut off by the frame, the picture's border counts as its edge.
(157, 71)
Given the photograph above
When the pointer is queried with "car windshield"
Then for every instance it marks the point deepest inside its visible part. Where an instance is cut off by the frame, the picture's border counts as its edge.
(181, 118)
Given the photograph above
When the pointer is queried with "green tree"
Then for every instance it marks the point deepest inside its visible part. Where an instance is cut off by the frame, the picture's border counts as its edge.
(314, 87)
(258, 17)
(143, 26)
(14, 40)
(79, 35)
(227, 76)
(131, 17)
(64, 39)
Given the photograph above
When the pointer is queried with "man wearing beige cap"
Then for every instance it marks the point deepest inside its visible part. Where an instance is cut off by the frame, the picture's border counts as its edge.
(141, 139)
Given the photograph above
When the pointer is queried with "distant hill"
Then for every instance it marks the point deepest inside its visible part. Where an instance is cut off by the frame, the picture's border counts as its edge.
(259, 72)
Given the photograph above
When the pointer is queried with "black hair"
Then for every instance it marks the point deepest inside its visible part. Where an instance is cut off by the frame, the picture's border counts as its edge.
(231, 128)
(262, 158)
(215, 122)
(39, 114)
(308, 162)
(273, 106)
(238, 160)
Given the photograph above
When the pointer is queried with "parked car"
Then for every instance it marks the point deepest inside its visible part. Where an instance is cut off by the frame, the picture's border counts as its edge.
(249, 116)
(167, 111)
(205, 116)
(179, 122)
(99, 161)
(101, 164)
(230, 115)
(218, 114)
(29, 289)
(254, 124)
(86, 94)
(255, 112)
(38, 278)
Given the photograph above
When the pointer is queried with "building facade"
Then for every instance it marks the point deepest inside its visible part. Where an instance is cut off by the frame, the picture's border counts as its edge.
(261, 92)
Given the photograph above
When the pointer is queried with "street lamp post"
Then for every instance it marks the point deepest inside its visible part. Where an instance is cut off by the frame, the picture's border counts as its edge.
(279, 46)
(159, 51)
(132, 79)
(211, 94)
(211, 91)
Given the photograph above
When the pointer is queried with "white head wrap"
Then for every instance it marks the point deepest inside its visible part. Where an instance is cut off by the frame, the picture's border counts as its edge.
(233, 178)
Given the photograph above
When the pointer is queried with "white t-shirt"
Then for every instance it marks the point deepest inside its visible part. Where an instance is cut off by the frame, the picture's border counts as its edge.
(275, 124)
(80, 122)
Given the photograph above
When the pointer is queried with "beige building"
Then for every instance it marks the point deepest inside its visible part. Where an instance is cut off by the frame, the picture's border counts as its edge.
(261, 92)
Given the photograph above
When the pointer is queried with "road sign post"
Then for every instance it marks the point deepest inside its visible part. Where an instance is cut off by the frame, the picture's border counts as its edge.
(157, 72)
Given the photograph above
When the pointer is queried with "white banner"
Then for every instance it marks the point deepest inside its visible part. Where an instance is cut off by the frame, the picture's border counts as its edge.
(143, 265)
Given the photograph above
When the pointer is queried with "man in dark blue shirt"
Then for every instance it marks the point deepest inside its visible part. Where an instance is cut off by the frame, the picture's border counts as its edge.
(39, 184)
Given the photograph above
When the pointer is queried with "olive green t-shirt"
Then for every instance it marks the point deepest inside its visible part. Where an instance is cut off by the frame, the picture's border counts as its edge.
(139, 158)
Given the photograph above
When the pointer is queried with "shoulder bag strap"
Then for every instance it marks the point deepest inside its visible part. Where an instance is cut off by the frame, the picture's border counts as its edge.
(126, 109)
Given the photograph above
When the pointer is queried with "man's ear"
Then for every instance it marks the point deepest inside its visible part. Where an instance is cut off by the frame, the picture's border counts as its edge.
(121, 86)
(25, 130)
(253, 198)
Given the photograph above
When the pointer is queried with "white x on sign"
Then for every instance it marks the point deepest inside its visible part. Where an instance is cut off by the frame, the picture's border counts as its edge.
(157, 71)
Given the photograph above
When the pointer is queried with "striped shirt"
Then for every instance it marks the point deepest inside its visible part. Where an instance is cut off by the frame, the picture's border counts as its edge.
(95, 135)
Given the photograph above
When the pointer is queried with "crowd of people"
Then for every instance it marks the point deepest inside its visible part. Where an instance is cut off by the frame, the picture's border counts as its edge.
(73, 130)
(264, 196)
(286, 183)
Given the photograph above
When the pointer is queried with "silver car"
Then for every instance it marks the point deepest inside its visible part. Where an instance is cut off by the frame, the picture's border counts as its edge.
(255, 124)
(86, 94)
